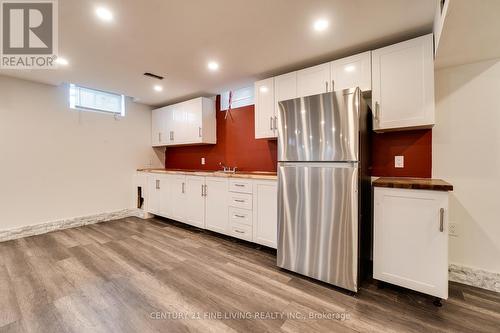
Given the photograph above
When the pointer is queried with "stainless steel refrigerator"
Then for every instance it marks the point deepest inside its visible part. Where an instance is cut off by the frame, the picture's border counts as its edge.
(323, 186)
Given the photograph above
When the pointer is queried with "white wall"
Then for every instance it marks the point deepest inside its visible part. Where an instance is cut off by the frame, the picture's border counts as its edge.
(466, 152)
(58, 163)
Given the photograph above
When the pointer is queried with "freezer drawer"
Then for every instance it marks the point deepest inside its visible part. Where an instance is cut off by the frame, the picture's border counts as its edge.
(318, 221)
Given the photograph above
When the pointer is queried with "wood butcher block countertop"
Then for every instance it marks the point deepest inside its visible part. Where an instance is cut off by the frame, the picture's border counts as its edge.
(414, 183)
(238, 174)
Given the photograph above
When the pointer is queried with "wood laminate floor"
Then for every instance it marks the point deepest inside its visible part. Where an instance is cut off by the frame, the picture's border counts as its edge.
(132, 275)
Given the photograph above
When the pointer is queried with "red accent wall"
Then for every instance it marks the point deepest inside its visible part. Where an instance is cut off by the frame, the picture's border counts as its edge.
(415, 146)
(237, 146)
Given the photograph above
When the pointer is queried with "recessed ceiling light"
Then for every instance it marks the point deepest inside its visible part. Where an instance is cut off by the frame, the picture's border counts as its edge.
(350, 68)
(213, 66)
(321, 25)
(264, 89)
(158, 88)
(62, 61)
(104, 14)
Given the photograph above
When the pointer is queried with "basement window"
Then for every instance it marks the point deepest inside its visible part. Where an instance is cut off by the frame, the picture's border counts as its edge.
(87, 99)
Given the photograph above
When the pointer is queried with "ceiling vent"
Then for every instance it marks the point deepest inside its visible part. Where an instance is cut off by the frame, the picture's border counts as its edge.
(154, 76)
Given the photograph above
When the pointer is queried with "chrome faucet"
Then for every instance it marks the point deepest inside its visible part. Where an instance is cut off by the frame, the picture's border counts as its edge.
(227, 169)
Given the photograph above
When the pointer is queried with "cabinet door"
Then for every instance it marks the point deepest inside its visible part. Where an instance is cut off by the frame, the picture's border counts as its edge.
(178, 195)
(153, 204)
(265, 224)
(158, 137)
(192, 117)
(285, 87)
(403, 85)
(314, 80)
(264, 109)
(216, 206)
(411, 239)
(352, 72)
(195, 215)
(165, 205)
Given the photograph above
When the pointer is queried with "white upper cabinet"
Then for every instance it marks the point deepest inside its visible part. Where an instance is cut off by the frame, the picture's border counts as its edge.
(158, 128)
(313, 80)
(352, 72)
(403, 85)
(186, 123)
(264, 109)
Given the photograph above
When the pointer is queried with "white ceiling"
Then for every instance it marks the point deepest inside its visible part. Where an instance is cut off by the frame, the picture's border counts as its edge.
(250, 39)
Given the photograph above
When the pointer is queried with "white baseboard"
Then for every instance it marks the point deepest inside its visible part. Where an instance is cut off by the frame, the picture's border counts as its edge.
(43, 228)
(474, 277)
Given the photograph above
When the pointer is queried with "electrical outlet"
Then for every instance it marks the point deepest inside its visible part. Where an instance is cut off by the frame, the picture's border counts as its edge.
(453, 229)
(203, 161)
(399, 161)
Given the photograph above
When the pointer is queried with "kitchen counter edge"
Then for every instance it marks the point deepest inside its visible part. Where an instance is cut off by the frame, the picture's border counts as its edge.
(414, 183)
(247, 175)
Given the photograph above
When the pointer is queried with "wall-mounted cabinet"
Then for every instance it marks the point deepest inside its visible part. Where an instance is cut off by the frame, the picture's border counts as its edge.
(400, 76)
(265, 117)
(354, 71)
(186, 123)
(403, 85)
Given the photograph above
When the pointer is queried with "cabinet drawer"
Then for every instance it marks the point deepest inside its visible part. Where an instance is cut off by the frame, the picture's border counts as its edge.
(240, 186)
(242, 216)
(240, 200)
(241, 231)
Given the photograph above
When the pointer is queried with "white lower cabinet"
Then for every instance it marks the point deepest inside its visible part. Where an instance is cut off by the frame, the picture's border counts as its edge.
(411, 239)
(216, 207)
(195, 201)
(178, 197)
(242, 208)
(154, 194)
(265, 226)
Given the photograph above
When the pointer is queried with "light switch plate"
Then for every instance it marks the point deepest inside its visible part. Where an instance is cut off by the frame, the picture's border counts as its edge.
(203, 161)
(399, 161)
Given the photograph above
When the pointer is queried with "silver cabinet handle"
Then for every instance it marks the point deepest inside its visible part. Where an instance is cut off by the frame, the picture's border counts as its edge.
(239, 231)
(271, 123)
(157, 184)
(171, 135)
(239, 200)
(240, 216)
(159, 136)
(333, 85)
(239, 185)
(326, 84)
(275, 122)
(203, 190)
(183, 187)
(199, 132)
(377, 111)
(202, 194)
(441, 219)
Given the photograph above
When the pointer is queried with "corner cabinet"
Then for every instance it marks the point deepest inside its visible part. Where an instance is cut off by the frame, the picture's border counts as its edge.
(187, 123)
(411, 239)
(403, 85)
